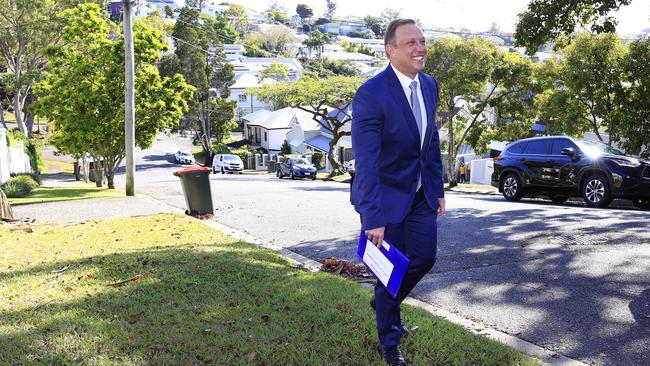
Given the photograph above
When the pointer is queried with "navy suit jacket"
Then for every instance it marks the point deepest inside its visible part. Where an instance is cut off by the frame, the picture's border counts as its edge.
(388, 157)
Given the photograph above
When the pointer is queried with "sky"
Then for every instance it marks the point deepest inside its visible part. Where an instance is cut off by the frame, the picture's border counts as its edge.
(476, 15)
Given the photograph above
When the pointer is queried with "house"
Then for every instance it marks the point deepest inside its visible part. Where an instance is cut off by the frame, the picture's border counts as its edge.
(330, 28)
(268, 130)
(247, 104)
(234, 52)
(349, 25)
(354, 57)
(254, 65)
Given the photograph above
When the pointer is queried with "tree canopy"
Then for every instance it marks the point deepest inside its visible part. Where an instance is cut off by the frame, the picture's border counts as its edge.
(548, 20)
(83, 91)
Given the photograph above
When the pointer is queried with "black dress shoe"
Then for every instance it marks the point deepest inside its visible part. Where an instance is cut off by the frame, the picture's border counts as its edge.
(392, 355)
(403, 330)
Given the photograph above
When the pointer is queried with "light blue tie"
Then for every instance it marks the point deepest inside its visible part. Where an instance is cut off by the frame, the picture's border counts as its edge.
(415, 105)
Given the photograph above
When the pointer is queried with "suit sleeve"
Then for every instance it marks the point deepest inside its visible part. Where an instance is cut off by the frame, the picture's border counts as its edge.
(367, 125)
(438, 169)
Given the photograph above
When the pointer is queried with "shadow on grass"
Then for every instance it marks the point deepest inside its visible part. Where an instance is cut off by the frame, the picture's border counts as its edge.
(229, 304)
(50, 194)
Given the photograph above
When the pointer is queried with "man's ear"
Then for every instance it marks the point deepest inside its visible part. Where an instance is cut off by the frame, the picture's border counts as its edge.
(389, 49)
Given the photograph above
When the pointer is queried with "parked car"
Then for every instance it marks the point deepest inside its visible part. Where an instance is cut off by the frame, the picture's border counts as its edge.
(184, 157)
(561, 167)
(227, 163)
(296, 168)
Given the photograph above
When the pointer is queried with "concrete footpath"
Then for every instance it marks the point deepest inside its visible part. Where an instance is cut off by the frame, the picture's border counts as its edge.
(94, 209)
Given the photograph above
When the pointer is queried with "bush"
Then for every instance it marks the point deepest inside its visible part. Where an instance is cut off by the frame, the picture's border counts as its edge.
(35, 177)
(285, 149)
(27, 179)
(17, 187)
(221, 149)
(316, 159)
(243, 155)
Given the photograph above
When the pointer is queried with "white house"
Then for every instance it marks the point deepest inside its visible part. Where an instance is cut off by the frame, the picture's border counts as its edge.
(234, 52)
(254, 65)
(268, 130)
(247, 104)
(354, 57)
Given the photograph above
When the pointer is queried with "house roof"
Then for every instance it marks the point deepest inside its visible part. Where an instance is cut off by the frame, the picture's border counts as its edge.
(279, 119)
(319, 142)
(249, 80)
(258, 117)
(306, 121)
(348, 56)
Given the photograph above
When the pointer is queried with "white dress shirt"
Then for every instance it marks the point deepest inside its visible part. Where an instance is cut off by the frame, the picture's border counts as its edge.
(405, 81)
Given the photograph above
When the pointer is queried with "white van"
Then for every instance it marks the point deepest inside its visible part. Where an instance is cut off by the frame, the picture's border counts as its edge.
(227, 163)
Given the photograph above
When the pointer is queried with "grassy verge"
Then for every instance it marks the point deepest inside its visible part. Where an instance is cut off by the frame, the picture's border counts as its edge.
(51, 194)
(197, 297)
(53, 166)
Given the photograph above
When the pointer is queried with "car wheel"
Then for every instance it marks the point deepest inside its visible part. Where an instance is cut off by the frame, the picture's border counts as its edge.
(641, 203)
(223, 171)
(293, 177)
(214, 170)
(511, 187)
(313, 177)
(279, 174)
(596, 191)
(559, 199)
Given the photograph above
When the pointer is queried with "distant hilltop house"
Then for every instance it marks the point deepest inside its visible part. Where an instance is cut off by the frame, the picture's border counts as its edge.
(247, 104)
(345, 27)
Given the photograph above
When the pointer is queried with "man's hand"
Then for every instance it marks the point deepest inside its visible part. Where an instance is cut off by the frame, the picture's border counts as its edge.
(376, 236)
(441, 206)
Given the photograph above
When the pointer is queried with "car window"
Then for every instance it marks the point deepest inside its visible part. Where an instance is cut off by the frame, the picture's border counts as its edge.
(301, 161)
(559, 144)
(537, 147)
(517, 148)
(231, 158)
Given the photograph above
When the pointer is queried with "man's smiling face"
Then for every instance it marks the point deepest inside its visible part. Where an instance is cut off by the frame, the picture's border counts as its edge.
(408, 52)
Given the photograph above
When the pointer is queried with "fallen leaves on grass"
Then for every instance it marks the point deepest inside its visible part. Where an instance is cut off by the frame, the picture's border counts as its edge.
(347, 269)
(135, 278)
(134, 319)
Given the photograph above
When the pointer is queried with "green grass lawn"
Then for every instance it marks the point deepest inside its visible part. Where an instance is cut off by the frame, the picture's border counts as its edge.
(200, 298)
(50, 194)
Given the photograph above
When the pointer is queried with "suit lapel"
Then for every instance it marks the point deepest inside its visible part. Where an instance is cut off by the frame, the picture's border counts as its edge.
(400, 97)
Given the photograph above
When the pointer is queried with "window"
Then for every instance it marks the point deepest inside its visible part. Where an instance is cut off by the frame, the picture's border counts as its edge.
(538, 147)
(559, 144)
(517, 148)
(242, 98)
(265, 137)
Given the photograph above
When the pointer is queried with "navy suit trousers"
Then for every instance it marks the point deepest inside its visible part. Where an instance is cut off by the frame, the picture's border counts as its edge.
(416, 237)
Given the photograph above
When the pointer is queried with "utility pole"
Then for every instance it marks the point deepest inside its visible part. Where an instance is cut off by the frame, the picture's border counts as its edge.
(129, 99)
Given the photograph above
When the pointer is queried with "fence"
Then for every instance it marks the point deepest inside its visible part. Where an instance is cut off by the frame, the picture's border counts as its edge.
(12, 159)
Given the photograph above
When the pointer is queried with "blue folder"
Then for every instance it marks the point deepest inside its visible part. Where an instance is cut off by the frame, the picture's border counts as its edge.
(399, 261)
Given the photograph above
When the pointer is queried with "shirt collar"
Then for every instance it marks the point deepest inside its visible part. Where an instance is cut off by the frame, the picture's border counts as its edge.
(405, 80)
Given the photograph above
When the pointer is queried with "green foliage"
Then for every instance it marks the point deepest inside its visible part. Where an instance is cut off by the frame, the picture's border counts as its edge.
(316, 158)
(548, 20)
(18, 187)
(83, 93)
(357, 47)
(275, 71)
(374, 24)
(635, 126)
(220, 148)
(331, 9)
(316, 40)
(285, 148)
(326, 68)
(26, 179)
(238, 18)
(304, 11)
(274, 40)
(33, 177)
(169, 12)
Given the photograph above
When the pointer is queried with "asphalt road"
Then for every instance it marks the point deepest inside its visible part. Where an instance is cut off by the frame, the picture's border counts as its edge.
(566, 277)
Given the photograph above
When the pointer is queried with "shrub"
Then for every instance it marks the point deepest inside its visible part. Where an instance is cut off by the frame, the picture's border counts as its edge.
(221, 149)
(316, 159)
(35, 177)
(17, 188)
(285, 148)
(27, 179)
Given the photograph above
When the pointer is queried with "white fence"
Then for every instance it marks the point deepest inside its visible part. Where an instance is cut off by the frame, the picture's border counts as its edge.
(12, 159)
(481, 171)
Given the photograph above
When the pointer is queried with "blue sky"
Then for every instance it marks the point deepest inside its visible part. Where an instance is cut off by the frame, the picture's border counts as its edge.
(474, 14)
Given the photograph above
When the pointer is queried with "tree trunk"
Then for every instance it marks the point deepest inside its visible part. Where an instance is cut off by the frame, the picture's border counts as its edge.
(18, 113)
(110, 177)
(29, 117)
(5, 209)
(2, 117)
(331, 155)
(451, 155)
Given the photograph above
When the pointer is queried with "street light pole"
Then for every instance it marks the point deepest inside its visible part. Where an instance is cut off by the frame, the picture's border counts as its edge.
(129, 99)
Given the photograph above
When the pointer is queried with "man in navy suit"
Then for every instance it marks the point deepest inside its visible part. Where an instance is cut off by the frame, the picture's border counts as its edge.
(398, 186)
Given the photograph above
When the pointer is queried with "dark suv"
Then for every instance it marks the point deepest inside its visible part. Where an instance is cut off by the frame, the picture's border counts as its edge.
(561, 167)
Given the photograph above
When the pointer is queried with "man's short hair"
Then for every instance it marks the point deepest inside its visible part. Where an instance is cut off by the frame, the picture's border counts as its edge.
(389, 36)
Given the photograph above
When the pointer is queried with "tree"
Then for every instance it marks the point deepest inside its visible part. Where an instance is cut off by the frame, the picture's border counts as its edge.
(328, 100)
(331, 9)
(276, 71)
(277, 12)
(238, 18)
(169, 12)
(635, 126)
(198, 4)
(548, 20)
(388, 15)
(304, 11)
(316, 40)
(326, 68)
(83, 92)
(590, 93)
(374, 24)
(27, 27)
(225, 29)
(274, 40)
(474, 77)
(200, 58)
